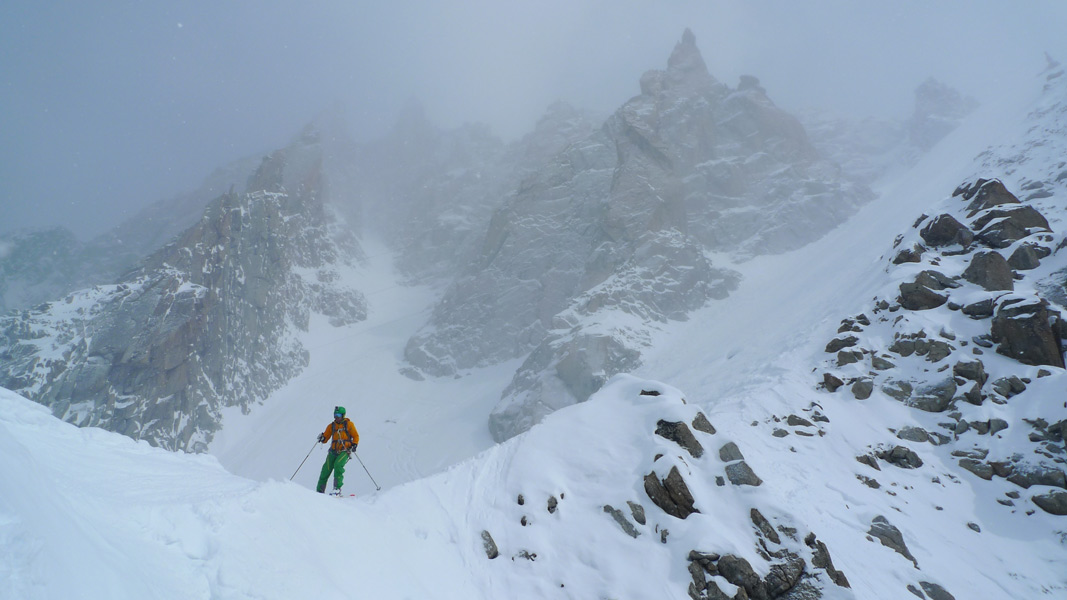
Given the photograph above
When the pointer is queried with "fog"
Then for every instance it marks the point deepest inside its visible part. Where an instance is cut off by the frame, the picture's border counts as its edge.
(108, 106)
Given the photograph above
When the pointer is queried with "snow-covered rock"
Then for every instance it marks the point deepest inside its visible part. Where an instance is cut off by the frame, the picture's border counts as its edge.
(206, 322)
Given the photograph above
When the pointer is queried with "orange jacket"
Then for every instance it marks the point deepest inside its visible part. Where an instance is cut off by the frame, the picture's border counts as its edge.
(343, 434)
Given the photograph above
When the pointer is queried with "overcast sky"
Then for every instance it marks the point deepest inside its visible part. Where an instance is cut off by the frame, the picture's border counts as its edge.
(108, 106)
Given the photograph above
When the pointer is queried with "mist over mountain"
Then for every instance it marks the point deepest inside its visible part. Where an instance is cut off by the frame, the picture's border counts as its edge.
(697, 348)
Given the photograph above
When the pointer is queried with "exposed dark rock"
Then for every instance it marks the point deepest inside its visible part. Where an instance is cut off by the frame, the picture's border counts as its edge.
(795, 421)
(891, 537)
(986, 194)
(862, 388)
(936, 592)
(914, 434)
(945, 230)
(729, 452)
(897, 389)
(936, 280)
(821, 560)
(672, 494)
(680, 434)
(1024, 217)
(933, 397)
(764, 526)
(624, 523)
(914, 296)
(739, 473)
(1054, 502)
(637, 512)
(739, 572)
(870, 460)
(701, 423)
(845, 357)
(901, 456)
(839, 343)
(1026, 474)
(981, 309)
(881, 363)
(989, 270)
(783, 576)
(490, 546)
(912, 255)
(831, 382)
(1025, 257)
(1023, 332)
(1001, 228)
(972, 370)
(553, 504)
(981, 469)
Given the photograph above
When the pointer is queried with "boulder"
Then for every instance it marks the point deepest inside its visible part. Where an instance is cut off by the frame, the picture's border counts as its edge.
(730, 452)
(901, 456)
(701, 423)
(972, 370)
(1024, 217)
(897, 389)
(982, 309)
(1025, 257)
(936, 592)
(839, 343)
(1024, 332)
(985, 193)
(624, 523)
(914, 434)
(914, 296)
(934, 397)
(979, 468)
(991, 271)
(671, 494)
(831, 383)
(912, 255)
(680, 434)
(890, 537)
(489, 544)
(945, 230)
(739, 473)
(862, 388)
(935, 280)
(820, 559)
(1054, 502)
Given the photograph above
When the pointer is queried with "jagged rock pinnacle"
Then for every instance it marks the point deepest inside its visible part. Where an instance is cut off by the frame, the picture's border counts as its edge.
(686, 56)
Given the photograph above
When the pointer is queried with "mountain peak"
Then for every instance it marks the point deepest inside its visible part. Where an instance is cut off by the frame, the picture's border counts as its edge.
(686, 56)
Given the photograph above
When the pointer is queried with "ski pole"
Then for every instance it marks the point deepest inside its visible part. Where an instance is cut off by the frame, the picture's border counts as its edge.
(303, 461)
(376, 486)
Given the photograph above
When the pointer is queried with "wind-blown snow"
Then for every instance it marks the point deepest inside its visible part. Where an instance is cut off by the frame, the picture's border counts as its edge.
(90, 514)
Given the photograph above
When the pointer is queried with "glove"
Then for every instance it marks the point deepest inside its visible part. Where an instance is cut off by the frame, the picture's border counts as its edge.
(321, 438)
(352, 448)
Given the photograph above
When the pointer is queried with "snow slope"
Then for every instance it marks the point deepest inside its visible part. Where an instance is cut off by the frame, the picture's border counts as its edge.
(89, 514)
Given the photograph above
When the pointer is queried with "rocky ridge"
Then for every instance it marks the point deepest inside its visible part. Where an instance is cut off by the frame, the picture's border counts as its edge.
(206, 322)
(975, 331)
(613, 234)
(688, 481)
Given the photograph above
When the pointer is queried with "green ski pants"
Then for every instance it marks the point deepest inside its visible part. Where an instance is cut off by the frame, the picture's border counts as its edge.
(335, 463)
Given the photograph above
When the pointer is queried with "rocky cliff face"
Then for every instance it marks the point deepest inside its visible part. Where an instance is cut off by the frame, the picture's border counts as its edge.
(613, 232)
(206, 322)
(975, 336)
(431, 192)
(39, 266)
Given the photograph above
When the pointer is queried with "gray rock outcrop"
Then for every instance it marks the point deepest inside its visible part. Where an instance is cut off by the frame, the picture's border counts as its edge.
(620, 222)
(204, 323)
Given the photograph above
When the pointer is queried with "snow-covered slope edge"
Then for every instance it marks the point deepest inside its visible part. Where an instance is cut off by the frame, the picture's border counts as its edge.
(565, 511)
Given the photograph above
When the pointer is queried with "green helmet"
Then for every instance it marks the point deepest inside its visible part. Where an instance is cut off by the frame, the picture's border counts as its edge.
(338, 411)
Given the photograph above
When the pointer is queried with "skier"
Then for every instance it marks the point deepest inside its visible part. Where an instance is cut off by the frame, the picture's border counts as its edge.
(345, 439)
